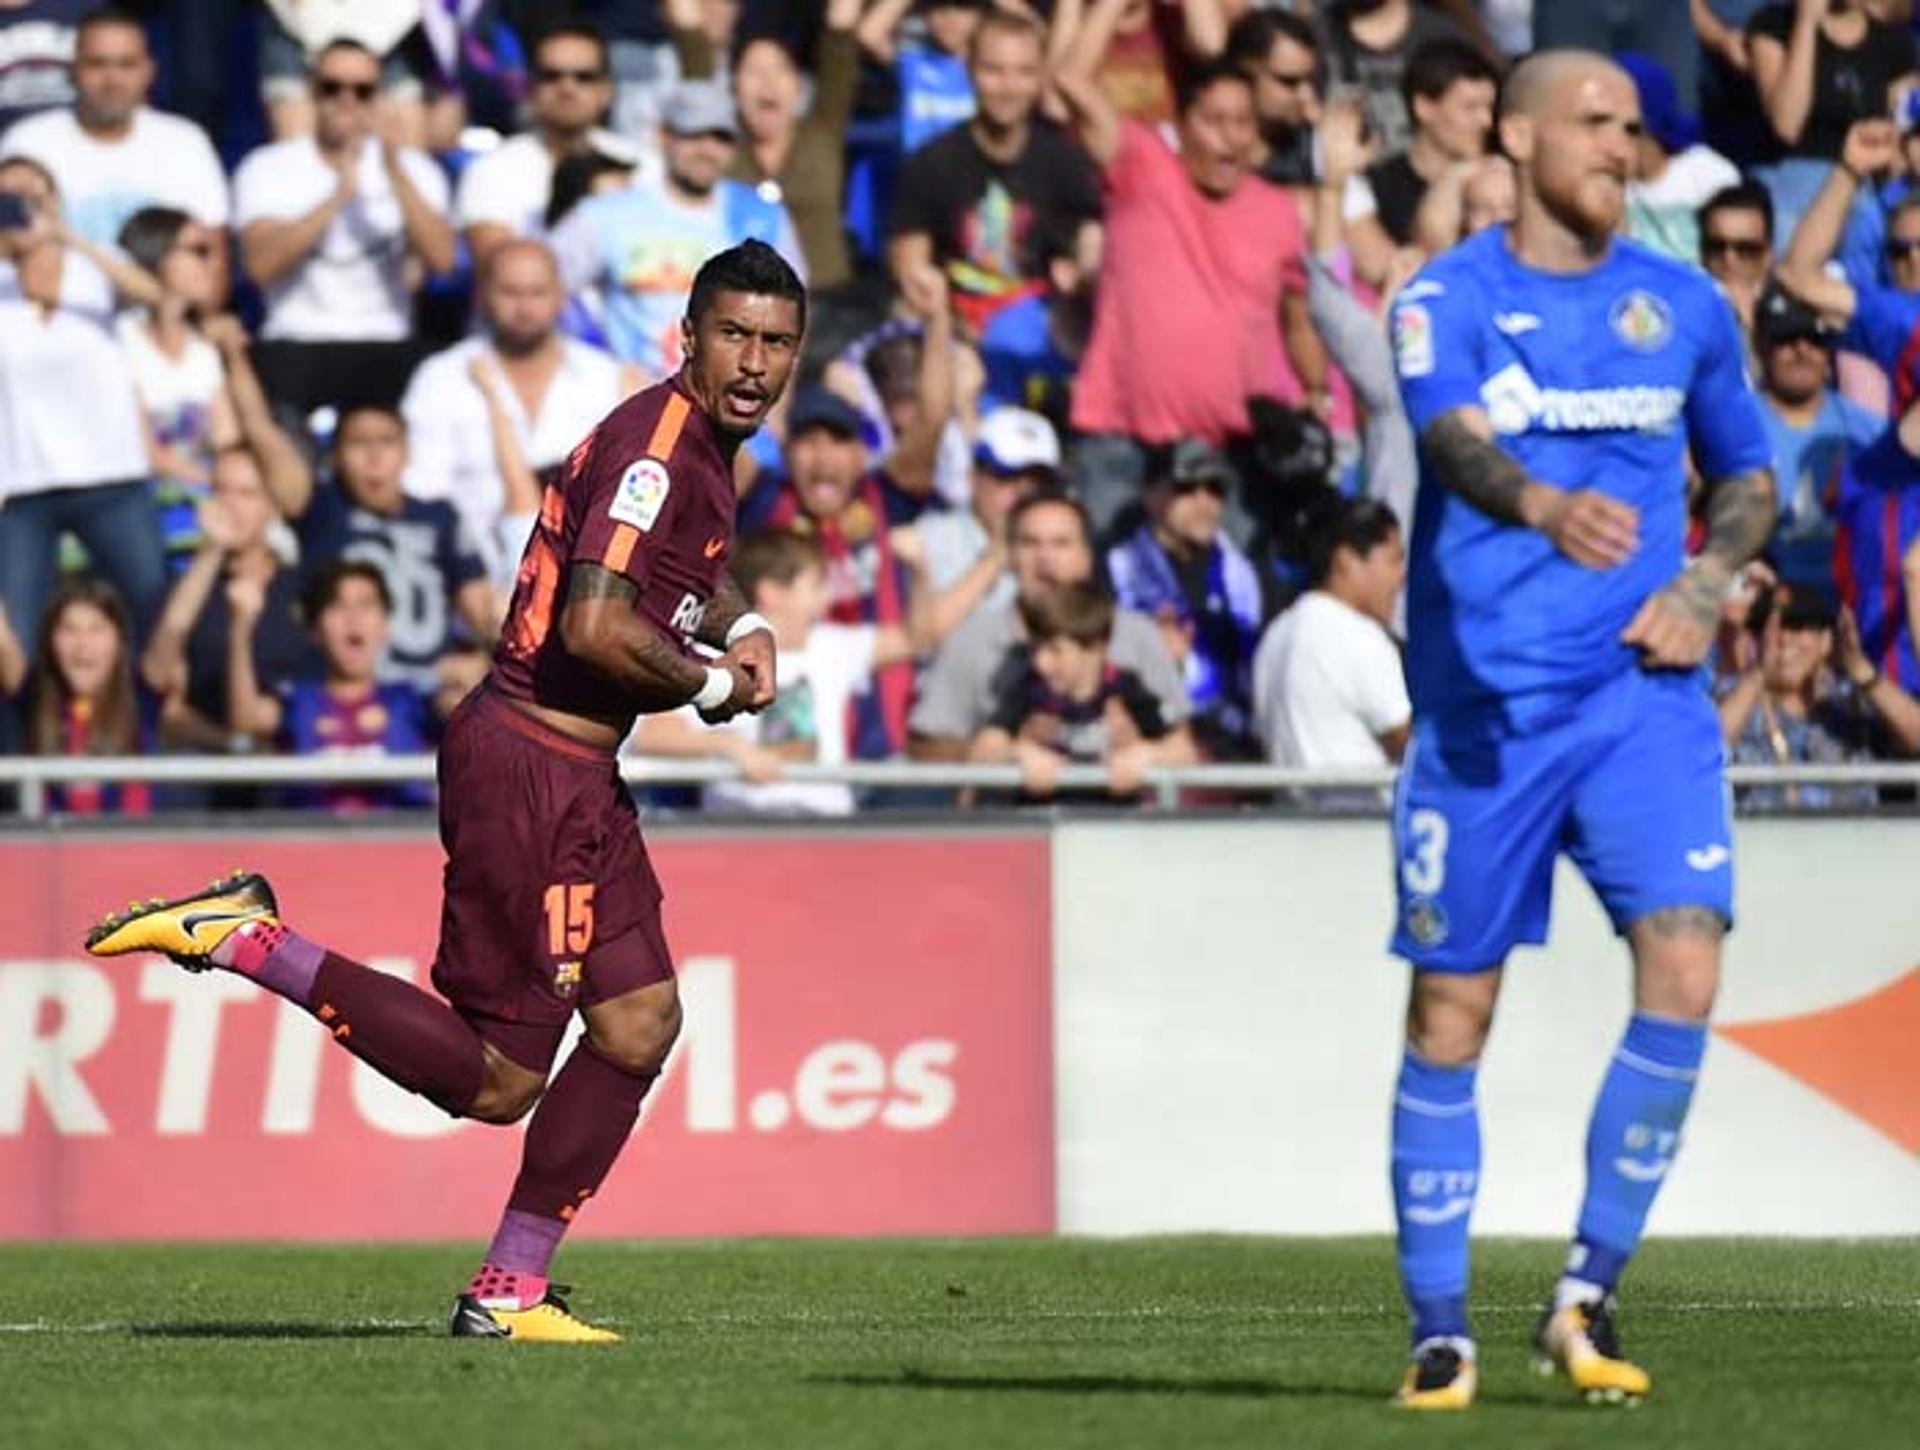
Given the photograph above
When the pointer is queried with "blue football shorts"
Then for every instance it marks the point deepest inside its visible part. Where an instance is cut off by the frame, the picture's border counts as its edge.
(1632, 786)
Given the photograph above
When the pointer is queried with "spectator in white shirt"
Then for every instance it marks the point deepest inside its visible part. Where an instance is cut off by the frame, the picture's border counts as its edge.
(112, 153)
(1328, 686)
(505, 193)
(73, 458)
(493, 412)
(328, 223)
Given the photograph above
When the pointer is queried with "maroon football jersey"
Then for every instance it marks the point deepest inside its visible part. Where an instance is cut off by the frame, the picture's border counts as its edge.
(648, 494)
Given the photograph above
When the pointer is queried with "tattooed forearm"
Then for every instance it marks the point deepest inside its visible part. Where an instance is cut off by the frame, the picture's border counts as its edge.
(1475, 467)
(727, 605)
(603, 630)
(1740, 515)
(590, 581)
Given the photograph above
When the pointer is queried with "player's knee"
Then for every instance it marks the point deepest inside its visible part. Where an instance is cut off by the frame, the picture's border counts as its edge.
(501, 1103)
(639, 1035)
(1677, 963)
(1448, 1020)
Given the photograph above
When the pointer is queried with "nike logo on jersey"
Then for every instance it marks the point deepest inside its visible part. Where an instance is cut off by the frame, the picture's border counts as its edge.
(1709, 858)
(1515, 323)
(714, 546)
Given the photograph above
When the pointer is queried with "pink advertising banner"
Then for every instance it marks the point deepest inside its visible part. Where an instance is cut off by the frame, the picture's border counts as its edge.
(867, 1051)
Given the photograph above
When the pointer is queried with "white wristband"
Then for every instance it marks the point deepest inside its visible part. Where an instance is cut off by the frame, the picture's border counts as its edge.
(717, 690)
(746, 624)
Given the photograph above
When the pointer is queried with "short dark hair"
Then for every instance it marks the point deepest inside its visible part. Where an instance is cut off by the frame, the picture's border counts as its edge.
(323, 589)
(776, 555)
(1050, 495)
(573, 182)
(752, 267)
(1741, 196)
(1436, 66)
(335, 46)
(1202, 76)
(1081, 612)
(109, 15)
(1007, 22)
(354, 410)
(573, 30)
(1359, 524)
(149, 234)
(1250, 40)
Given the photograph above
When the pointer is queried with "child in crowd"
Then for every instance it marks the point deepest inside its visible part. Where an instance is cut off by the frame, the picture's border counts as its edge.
(822, 667)
(345, 710)
(78, 694)
(1071, 704)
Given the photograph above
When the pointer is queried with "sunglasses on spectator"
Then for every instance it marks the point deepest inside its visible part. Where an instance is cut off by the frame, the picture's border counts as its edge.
(1745, 248)
(330, 88)
(553, 75)
(1902, 246)
(1215, 486)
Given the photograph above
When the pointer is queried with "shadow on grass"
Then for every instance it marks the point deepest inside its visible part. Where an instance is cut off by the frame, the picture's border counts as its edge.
(1117, 1384)
(269, 1329)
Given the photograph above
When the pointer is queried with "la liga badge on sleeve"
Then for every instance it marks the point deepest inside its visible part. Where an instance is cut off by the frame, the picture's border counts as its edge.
(642, 493)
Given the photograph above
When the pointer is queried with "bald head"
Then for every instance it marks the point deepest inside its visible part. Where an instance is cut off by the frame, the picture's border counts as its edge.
(521, 296)
(1549, 75)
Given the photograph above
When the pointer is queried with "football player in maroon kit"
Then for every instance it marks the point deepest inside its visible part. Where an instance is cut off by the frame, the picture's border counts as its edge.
(551, 905)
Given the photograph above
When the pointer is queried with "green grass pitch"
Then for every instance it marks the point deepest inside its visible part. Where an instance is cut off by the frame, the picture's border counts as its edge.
(1176, 1344)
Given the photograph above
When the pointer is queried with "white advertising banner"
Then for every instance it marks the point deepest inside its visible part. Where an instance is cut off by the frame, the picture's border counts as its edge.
(1228, 1026)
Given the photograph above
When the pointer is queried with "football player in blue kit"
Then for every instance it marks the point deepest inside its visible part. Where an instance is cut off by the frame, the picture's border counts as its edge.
(1556, 375)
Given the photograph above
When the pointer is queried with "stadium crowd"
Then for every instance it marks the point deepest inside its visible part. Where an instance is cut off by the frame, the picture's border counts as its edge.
(1097, 454)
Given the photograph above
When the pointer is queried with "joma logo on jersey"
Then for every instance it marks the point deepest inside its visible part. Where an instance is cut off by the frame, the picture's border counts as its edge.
(688, 614)
(1517, 404)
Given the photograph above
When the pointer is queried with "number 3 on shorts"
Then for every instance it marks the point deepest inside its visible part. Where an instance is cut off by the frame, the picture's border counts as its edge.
(569, 918)
(1423, 854)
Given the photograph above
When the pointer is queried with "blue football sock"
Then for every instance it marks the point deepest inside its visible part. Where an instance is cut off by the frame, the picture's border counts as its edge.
(1436, 1171)
(1631, 1141)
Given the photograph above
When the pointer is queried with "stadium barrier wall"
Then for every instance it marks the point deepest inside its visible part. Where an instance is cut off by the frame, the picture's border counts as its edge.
(1111, 1026)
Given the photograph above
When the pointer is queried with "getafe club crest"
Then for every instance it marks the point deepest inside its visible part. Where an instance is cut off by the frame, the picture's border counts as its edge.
(1642, 321)
(1426, 921)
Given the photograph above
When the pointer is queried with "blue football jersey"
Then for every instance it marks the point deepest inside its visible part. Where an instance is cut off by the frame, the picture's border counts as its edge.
(1591, 380)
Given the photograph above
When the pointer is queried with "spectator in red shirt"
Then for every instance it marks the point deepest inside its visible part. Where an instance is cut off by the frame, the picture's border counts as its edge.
(1202, 301)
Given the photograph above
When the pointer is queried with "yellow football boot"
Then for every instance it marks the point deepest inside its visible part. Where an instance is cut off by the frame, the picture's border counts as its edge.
(1439, 1377)
(1579, 1341)
(187, 928)
(548, 1322)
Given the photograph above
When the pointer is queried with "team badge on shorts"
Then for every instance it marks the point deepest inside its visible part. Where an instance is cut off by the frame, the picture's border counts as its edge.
(1641, 320)
(566, 978)
(1426, 921)
(642, 493)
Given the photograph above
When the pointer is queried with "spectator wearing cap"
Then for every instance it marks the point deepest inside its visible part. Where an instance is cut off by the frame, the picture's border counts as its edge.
(831, 491)
(1203, 269)
(965, 550)
(1328, 685)
(1674, 172)
(1817, 70)
(487, 417)
(112, 152)
(1181, 570)
(966, 202)
(506, 192)
(1050, 544)
(1736, 245)
(1279, 52)
(1449, 89)
(1807, 693)
(1813, 431)
(635, 251)
(331, 225)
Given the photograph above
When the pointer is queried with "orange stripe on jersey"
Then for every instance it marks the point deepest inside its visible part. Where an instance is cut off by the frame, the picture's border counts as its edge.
(620, 548)
(666, 432)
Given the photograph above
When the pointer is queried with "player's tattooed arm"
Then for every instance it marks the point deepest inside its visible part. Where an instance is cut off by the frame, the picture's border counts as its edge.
(1590, 527)
(726, 606)
(601, 628)
(1675, 627)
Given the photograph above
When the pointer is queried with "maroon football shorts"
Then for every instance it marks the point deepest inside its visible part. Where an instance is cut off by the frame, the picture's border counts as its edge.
(551, 903)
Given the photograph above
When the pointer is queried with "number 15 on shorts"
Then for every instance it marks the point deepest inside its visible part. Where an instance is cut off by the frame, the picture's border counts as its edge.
(569, 908)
